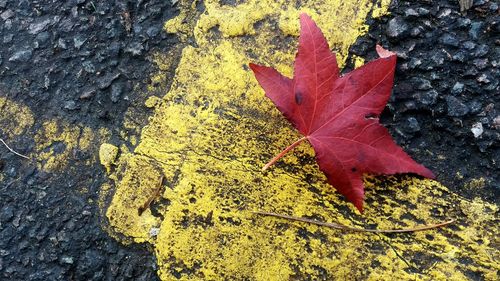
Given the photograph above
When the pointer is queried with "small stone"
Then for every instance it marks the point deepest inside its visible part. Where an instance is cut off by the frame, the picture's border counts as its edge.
(426, 98)
(107, 155)
(455, 107)
(135, 49)
(444, 13)
(458, 88)
(414, 62)
(8, 38)
(469, 45)
(416, 31)
(6, 214)
(475, 107)
(438, 58)
(421, 83)
(493, 7)
(411, 125)
(116, 92)
(78, 41)
(480, 63)
(7, 14)
(61, 44)
(496, 122)
(35, 28)
(475, 29)
(481, 50)
(477, 129)
(21, 56)
(43, 37)
(106, 81)
(397, 27)
(153, 31)
(460, 56)
(463, 22)
(70, 105)
(423, 11)
(410, 105)
(154, 231)
(67, 260)
(87, 94)
(411, 13)
(483, 78)
(449, 40)
(88, 66)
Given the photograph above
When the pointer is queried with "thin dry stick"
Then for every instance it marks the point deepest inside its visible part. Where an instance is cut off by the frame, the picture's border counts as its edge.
(13, 151)
(349, 228)
(156, 193)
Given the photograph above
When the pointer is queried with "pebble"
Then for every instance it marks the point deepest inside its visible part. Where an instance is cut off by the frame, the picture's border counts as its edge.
(496, 122)
(21, 56)
(41, 25)
(105, 82)
(449, 40)
(7, 15)
(458, 88)
(412, 125)
(480, 63)
(421, 83)
(481, 51)
(67, 260)
(135, 49)
(455, 107)
(426, 98)
(116, 91)
(483, 78)
(477, 129)
(78, 41)
(70, 105)
(475, 29)
(397, 27)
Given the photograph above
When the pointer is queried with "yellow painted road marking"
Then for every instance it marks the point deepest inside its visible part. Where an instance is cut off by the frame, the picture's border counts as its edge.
(214, 130)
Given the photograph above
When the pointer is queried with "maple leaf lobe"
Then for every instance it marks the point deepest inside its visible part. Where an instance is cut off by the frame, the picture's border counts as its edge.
(339, 115)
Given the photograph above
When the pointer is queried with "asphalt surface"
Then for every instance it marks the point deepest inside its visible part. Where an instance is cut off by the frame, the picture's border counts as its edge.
(88, 63)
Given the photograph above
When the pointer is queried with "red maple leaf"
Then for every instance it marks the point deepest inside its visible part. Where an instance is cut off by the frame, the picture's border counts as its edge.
(337, 114)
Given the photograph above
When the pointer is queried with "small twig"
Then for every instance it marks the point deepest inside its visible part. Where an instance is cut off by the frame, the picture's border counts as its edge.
(465, 5)
(349, 228)
(13, 151)
(146, 204)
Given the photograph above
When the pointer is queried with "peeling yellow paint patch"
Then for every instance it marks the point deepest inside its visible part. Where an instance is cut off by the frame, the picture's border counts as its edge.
(57, 141)
(14, 118)
(213, 131)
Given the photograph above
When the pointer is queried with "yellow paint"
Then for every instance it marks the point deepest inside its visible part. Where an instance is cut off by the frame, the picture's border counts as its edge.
(107, 155)
(15, 119)
(57, 142)
(214, 130)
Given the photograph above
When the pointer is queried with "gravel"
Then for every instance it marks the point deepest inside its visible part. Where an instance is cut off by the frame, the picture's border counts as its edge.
(446, 96)
(72, 61)
(81, 61)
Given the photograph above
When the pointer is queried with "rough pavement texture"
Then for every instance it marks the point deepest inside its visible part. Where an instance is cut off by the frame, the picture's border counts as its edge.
(86, 62)
(444, 110)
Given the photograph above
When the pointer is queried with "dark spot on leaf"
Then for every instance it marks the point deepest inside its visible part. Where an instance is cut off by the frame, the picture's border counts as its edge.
(353, 169)
(298, 97)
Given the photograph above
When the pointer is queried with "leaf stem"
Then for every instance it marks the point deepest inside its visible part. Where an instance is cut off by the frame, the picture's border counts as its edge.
(282, 153)
(355, 229)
